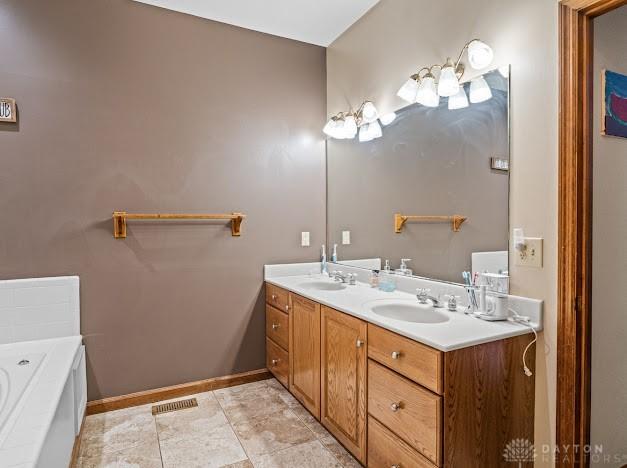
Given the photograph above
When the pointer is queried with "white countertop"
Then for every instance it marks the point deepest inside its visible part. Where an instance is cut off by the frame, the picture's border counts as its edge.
(23, 437)
(460, 331)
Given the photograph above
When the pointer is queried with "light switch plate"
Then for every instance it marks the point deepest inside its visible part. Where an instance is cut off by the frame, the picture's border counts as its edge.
(531, 256)
(346, 237)
(304, 239)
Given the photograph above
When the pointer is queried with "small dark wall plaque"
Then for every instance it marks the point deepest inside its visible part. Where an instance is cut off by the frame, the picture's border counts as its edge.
(7, 110)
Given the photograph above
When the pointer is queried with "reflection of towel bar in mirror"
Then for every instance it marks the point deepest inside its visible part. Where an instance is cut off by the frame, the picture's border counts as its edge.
(455, 220)
(120, 217)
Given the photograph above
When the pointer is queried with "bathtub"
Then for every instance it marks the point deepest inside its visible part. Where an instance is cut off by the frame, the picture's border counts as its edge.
(16, 372)
(43, 389)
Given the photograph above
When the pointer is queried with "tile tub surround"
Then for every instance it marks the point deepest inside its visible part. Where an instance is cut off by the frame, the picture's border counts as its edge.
(460, 331)
(255, 425)
(23, 437)
(39, 308)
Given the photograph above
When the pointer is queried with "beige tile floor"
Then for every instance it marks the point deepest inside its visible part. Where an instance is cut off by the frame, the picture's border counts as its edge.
(258, 425)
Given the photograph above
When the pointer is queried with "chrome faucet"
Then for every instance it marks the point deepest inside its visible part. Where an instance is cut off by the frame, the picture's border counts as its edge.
(340, 277)
(423, 295)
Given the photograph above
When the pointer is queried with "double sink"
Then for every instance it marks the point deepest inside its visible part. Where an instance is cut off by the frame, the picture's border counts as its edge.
(404, 310)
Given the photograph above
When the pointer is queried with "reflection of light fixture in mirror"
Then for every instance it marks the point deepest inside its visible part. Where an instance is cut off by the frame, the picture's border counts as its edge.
(448, 84)
(345, 125)
(459, 100)
(479, 90)
(409, 91)
(504, 71)
(415, 89)
(480, 54)
(427, 92)
(387, 119)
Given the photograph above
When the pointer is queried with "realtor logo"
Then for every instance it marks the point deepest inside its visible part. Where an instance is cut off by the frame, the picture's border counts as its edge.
(519, 451)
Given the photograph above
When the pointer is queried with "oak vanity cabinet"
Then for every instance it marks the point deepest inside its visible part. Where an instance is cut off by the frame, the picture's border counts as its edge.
(395, 402)
(344, 367)
(277, 333)
(304, 339)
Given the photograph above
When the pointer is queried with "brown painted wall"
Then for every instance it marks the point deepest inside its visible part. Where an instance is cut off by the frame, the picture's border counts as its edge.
(130, 107)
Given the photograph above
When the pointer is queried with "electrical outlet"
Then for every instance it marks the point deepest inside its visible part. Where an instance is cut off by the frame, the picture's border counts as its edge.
(531, 254)
(346, 237)
(304, 239)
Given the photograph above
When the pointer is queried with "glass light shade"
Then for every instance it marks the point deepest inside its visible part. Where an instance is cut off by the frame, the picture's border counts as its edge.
(459, 100)
(408, 91)
(328, 128)
(369, 112)
(350, 127)
(448, 85)
(388, 118)
(480, 54)
(479, 90)
(374, 130)
(427, 92)
(504, 71)
(364, 133)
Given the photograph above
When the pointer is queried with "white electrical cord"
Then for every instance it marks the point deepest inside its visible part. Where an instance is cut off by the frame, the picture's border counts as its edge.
(524, 321)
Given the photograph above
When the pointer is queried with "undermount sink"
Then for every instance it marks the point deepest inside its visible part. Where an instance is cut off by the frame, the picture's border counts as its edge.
(323, 285)
(407, 311)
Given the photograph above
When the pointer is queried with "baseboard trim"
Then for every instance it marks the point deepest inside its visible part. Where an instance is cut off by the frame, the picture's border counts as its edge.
(175, 391)
(77, 445)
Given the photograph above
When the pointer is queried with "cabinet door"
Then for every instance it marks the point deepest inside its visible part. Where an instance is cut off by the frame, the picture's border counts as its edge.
(304, 356)
(344, 364)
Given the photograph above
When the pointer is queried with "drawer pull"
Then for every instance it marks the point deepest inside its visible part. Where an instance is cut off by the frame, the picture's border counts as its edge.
(275, 362)
(359, 343)
(395, 406)
(274, 297)
(287, 307)
(395, 466)
(275, 326)
(396, 354)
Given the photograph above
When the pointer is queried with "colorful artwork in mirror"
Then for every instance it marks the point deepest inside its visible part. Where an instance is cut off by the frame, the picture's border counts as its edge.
(614, 104)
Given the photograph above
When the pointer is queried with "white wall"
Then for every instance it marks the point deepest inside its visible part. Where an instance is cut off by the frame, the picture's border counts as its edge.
(609, 257)
(375, 56)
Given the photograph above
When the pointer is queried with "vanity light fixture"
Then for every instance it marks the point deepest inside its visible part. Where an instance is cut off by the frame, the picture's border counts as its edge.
(459, 100)
(422, 88)
(479, 90)
(365, 121)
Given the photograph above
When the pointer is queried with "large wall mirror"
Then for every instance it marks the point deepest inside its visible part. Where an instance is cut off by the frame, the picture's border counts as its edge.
(429, 162)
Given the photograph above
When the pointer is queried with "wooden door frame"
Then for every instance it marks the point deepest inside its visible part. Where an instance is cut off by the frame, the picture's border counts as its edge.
(575, 226)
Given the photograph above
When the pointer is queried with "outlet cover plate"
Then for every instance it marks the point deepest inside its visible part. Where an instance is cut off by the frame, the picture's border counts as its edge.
(304, 239)
(346, 237)
(531, 256)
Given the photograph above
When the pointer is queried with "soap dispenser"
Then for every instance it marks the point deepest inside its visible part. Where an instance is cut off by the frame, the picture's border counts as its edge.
(387, 282)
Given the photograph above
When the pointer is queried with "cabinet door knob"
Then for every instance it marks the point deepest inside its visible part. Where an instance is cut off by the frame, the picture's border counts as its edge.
(396, 354)
(275, 326)
(395, 406)
(287, 307)
(274, 297)
(275, 362)
(396, 466)
(359, 343)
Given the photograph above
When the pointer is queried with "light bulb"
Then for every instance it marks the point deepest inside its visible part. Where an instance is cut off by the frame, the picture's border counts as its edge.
(480, 54)
(364, 133)
(374, 130)
(350, 127)
(479, 90)
(427, 93)
(408, 91)
(369, 112)
(459, 100)
(388, 118)
(448, 85)
(328, 128)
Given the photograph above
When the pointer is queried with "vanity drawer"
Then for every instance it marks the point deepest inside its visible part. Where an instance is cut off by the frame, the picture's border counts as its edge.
(385, 450)
(415, 361)
(278, 297)
(277, 361)
(277, 326)
(407, 409)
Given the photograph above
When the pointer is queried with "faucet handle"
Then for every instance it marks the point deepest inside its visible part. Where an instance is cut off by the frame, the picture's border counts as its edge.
(422, 294)
(452, 302)
(404, 261)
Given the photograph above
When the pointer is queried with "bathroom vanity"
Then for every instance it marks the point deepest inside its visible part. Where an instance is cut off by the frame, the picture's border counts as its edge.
(449, 394)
